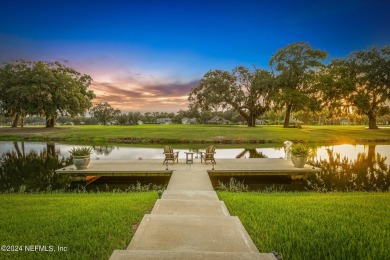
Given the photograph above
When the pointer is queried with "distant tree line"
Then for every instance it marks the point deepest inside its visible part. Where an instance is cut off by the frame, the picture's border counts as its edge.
(272, 117)
(104, 113)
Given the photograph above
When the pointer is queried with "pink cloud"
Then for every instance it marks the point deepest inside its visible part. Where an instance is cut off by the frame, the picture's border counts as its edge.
(151, 97)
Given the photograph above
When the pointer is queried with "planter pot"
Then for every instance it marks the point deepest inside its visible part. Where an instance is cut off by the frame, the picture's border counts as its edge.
(299, 161)
(81, 162)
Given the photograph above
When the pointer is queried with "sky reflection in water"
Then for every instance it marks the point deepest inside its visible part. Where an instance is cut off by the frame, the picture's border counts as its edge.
(132, 153)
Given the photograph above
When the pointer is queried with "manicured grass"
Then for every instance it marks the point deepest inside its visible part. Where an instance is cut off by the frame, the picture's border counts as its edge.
(90, 226)
(199, 134)
(315, 226)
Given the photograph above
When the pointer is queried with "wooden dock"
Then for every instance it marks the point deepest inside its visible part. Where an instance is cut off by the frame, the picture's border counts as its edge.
(223, 167)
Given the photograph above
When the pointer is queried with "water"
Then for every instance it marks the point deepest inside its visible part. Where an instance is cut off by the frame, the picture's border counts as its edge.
(31, 165)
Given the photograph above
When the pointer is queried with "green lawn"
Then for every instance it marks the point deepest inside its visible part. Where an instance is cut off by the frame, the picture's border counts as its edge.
(297, 225)
(90, 226)
(198, 134)
(315, 226)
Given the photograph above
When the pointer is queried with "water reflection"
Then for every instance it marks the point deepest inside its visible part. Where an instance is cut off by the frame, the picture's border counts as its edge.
(31, 171)
(251, 153)
(369, 172)
(104, 150)
(112, 152)
(345, 167)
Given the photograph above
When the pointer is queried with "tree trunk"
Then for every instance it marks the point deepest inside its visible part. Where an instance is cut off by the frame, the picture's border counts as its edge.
(50, 121)
(372, 121)
(16, 120)
(47, 121)
(22, 120)
(251, 120)
(287, 117)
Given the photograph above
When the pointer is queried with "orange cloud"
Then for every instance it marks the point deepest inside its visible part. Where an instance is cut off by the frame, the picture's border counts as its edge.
(170, 97)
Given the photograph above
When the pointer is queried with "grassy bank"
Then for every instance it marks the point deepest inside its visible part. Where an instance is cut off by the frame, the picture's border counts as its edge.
(315, 226)
(89, 226)
(197, 134)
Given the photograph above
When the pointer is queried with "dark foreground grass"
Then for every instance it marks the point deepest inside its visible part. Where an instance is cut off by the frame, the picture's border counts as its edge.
(89, 226)
(316, 226)
(198, 134)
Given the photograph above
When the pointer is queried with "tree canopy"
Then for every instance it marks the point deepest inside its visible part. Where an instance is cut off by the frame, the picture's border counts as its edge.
(245, 91)
(361, 80)
(104, 113)
(43, 88)
(297, 67)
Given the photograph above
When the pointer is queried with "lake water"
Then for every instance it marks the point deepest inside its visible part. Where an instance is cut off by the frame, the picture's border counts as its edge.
(111, 152)
(346, 166)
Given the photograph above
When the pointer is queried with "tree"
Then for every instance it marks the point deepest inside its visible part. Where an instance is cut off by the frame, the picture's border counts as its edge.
(245, 91)
(134, 117)
(122, 119)
(297, 66)
(103, 112)
(361, 80)
(45, 89)
(15, 93)
(60, 90)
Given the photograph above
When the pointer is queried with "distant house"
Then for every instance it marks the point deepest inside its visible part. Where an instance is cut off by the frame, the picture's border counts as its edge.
(345, 121)
(162, 121)
(40, 122)
(295, 123)
(186, 121)
(217, 120)
(260, 122)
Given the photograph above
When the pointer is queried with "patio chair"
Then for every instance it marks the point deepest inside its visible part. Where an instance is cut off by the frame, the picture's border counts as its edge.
(170, 155)
(208, 155)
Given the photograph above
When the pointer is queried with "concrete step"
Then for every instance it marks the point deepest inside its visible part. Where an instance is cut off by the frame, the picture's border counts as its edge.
(189, 195)
(190, 207)
(190, 180)
(192, 233)
(180, 255)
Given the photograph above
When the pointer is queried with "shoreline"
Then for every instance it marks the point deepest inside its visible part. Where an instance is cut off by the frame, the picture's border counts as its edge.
(197, 134)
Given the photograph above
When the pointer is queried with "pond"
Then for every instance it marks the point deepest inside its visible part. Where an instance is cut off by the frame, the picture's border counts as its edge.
(31, 165)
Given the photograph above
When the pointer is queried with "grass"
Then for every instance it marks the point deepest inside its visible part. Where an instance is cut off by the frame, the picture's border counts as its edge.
(90, 226)
(315, 226)
(198, 134)
(297, 225)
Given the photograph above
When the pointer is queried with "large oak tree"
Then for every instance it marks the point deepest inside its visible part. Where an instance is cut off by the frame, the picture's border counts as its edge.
(42, 88)
(361, 80)
(296, 67)
(245, 91)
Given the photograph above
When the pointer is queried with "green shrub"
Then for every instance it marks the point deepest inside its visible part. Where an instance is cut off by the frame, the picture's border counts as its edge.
(85, 151)
(300, 150)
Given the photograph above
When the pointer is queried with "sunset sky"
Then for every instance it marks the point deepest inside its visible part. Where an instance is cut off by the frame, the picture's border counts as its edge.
(147, 55)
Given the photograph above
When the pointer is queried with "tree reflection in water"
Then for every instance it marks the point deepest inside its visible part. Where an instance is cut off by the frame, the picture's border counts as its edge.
(33, 172)
(103, 149)
(253, 153)
(369, 172)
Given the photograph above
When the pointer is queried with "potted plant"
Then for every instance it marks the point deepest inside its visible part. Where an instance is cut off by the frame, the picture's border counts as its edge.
(81, 157)
(299, 154)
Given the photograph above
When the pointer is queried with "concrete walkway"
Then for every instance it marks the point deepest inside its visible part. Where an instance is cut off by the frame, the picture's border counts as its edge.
(189, 222)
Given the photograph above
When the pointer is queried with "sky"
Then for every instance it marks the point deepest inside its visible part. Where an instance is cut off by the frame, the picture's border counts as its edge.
(147, 55)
